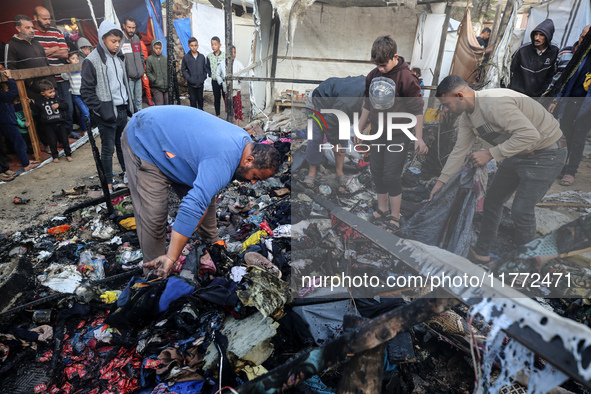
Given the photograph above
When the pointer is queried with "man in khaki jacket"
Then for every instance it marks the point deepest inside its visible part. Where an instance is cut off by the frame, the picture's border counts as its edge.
(527, 143)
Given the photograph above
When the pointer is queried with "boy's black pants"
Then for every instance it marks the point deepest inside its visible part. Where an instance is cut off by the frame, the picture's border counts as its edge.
(196, 97)
(56, 132)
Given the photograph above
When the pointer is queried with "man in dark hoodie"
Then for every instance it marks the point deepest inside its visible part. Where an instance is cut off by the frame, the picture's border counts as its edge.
(105, 90)
(157, 73)
(574, 112)
(391, 77)
(533, 65)
(134, 61)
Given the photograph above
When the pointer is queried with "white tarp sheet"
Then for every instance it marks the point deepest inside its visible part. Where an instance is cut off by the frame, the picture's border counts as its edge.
(426, 44)
(569, 17)
(207, 22)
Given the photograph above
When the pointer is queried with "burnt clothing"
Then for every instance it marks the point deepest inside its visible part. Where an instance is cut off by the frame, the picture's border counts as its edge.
(48, 114)
(407, 88)
(531, 71)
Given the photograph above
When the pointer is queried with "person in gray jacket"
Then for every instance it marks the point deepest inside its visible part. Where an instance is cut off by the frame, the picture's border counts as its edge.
(134, 61)
(84, 48)
(105, 90)
(157, 73)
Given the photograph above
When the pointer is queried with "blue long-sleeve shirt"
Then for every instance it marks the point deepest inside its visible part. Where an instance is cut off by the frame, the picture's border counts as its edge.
(191, 148)
(7, 113)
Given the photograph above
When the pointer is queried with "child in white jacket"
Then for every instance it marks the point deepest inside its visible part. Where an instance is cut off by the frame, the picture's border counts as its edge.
(236, 95)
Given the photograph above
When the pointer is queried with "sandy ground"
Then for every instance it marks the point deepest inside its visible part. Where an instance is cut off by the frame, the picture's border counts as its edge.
(42, 183)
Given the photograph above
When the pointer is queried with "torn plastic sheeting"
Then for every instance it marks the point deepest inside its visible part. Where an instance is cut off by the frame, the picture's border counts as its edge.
(249, 341)
(265, 292)
(62, 278)
(458, 198)
(325, 320)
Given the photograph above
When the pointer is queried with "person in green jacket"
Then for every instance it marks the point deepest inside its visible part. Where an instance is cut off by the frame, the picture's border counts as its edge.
(158, 73)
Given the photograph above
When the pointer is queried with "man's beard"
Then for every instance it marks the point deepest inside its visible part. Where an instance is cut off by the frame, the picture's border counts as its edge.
(239, 174)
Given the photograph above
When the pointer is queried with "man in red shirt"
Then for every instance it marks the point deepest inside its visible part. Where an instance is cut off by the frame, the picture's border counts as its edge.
(56, 49)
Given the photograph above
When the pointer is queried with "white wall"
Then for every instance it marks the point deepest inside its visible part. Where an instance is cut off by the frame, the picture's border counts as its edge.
(340, 33)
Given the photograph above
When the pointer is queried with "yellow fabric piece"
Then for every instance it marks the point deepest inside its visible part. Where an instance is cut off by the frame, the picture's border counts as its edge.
(431, 115)
(128, 223)
(253, 239)
(253, 372)
(110, 296)
(587, 82)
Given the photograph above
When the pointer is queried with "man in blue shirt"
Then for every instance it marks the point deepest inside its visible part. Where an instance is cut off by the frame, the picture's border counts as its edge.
(197, 154)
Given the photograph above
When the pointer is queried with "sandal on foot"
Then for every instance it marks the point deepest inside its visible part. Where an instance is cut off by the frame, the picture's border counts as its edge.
(567, 180)
(309, 181)
(4, 177)
(388, 221)
(379, 219)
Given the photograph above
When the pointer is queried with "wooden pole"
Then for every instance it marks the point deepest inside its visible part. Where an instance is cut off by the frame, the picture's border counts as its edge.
(229, 61)
(49, 5)
(363, 373)
(170, 50)
(441, 50)
(276, 26)
(22, 93)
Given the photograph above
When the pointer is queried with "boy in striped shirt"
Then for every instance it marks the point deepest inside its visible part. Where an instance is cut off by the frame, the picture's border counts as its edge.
(75, 79)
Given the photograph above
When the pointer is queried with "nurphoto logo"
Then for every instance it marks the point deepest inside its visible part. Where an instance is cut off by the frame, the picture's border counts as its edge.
(387, 122)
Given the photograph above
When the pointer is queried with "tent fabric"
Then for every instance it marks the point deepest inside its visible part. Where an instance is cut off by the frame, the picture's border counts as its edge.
(110, 14)
(468, 52)
(183, 31)
(155, 11)
(500, 74)
(207, 22)
(426, 47)
(569, 16)
(459, 198)
(90, 32)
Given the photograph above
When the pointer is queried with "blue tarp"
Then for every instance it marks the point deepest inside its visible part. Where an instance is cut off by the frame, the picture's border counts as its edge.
(155, 12)
(183, 31)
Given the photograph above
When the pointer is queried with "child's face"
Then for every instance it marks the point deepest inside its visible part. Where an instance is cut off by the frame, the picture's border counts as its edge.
(48, 93)
(86, 50)
(74, 59)
(194, 46)
(215, 46)
(387, 67)
(233, 53)
(112, 43)
(157, 50)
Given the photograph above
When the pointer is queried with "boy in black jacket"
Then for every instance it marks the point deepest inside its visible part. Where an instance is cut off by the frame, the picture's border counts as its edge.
(194, 71)
(52, 112)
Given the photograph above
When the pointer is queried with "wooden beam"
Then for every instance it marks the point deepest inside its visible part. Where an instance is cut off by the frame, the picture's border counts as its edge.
(313, 59)
(37, 72)
(363, 374)
(229, 61)
(22, 92)
(441, 50)
(276, 25)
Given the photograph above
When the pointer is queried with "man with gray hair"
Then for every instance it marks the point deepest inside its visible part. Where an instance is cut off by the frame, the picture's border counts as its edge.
(527, 143)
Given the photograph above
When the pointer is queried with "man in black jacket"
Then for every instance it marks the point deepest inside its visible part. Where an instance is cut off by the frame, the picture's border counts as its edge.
(194, 71)
(533, 65)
